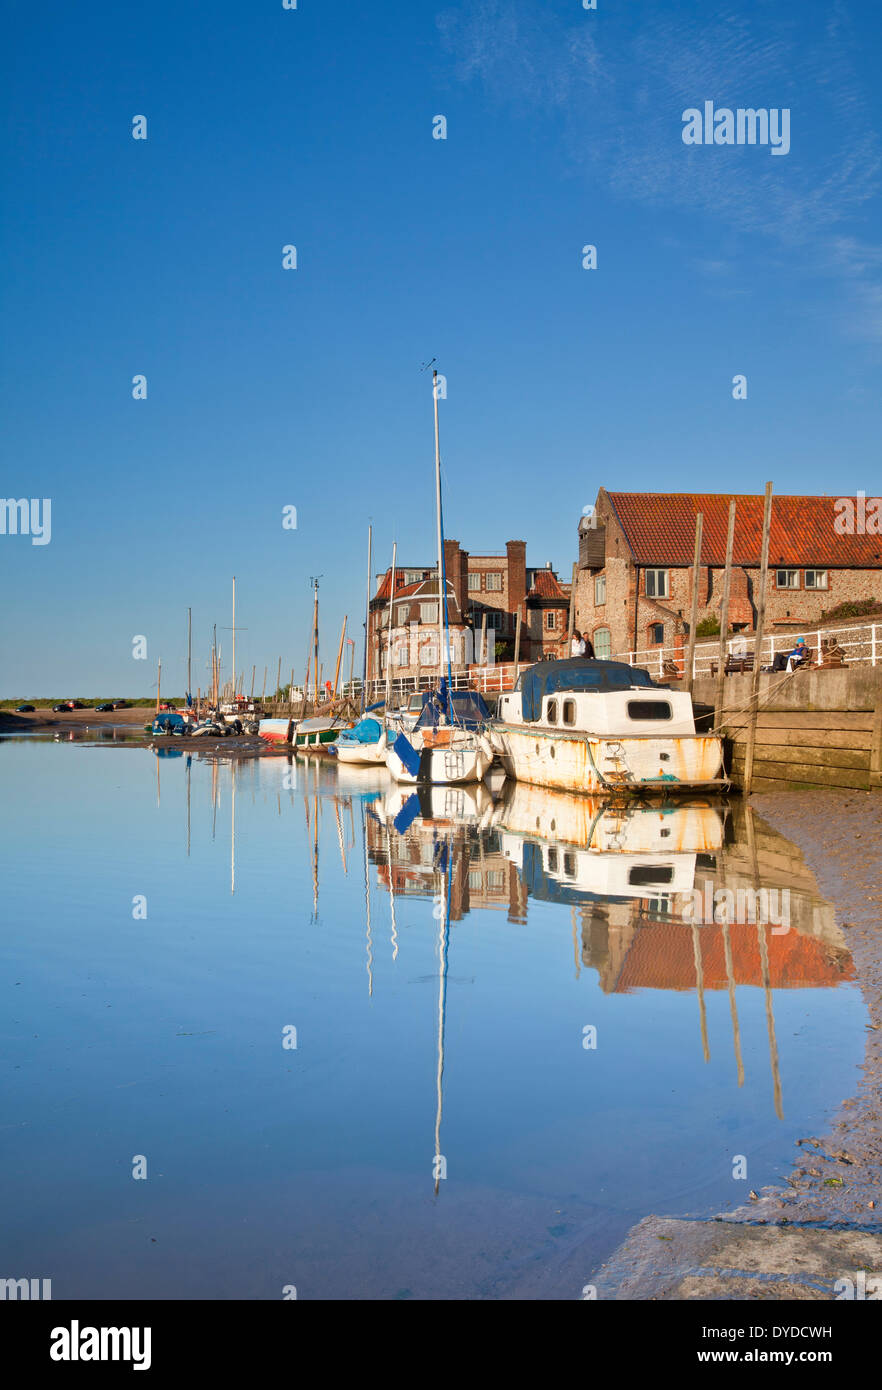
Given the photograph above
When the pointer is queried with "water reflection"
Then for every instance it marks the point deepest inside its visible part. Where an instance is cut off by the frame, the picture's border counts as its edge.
(441, 1129)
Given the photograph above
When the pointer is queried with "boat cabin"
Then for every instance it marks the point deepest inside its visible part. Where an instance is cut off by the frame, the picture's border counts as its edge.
(598, 697)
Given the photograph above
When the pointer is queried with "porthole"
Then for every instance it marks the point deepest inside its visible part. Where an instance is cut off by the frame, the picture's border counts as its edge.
(552, 750)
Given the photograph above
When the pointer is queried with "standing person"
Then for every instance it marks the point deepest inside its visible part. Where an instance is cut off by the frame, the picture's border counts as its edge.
(577, 646)
(588, 647)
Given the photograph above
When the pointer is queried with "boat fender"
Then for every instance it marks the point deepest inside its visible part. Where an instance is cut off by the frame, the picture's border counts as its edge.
(487, 748)
(382, 741)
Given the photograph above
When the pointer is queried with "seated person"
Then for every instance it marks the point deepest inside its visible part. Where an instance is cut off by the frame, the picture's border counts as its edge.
(786, 661)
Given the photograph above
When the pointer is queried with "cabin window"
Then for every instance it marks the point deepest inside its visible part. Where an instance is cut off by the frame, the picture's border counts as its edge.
(552, 711)
(569, 865)
(649, 709)
(428, 612)
(569, 711)
(552, 861)
(474, 581)
(640, 876)
(550, 618)
(816, 579)
(657, 633)
(656, 584)
(787, 579)
(600, 588)
(494, 580)
(602, 644)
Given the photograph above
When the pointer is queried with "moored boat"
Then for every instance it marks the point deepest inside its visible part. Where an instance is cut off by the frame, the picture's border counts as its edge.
(590, 726)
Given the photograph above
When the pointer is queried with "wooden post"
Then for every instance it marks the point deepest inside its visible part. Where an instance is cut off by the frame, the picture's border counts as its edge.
(279, 681)
(724, 616)
(253, 674)
(876, 749)
(351, 666)
(758, 643)
(517, 650)
(484, 639)
(291, 689)
(263, 696)
(572, 621)
(340, 656)
(688, 674)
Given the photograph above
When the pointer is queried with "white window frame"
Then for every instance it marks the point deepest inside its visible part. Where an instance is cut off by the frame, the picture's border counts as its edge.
(599, 590)
(816, 574)
(786, 586)
(661, 587)
(428, 614)
(550, 620)
(474, 582)
(602, 632)
(493, 580)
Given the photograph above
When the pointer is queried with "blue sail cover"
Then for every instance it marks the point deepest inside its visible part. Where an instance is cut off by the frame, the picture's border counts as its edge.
(465, 708)
(577, 673)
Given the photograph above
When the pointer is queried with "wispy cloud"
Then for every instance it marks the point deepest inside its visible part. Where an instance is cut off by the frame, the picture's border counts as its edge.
(618, 90)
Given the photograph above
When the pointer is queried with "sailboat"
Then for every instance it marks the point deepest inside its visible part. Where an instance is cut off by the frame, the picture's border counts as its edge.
(302, 732)
(448, 744)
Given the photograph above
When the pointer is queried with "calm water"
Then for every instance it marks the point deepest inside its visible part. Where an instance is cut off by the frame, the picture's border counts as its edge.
(440, 963)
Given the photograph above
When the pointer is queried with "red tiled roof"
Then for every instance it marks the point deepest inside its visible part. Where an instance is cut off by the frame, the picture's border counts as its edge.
(545, 585)
(660, 529)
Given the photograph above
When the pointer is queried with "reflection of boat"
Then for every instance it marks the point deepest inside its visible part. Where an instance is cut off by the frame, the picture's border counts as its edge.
(588, 726)
(459, 805)
(569, 846)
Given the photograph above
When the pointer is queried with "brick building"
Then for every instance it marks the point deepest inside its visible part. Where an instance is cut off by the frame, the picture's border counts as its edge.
(634, 575)
(483, 591)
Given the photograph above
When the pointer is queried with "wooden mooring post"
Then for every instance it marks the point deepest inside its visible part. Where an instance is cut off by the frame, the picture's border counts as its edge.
(724, 618)
(689, 673)
(758, 642)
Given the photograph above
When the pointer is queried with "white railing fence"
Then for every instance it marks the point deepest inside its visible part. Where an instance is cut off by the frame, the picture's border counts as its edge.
(859, 642)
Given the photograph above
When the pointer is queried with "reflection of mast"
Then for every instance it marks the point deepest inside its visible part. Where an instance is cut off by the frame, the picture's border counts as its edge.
(733, 1007)
(233, 829)
(189, 762)
(442, 1010)
(764, 962)
(699, 987)
(394, 936)
(367, 905)
(575, 940)
(213, 798)
(340, 834)
(315, 845)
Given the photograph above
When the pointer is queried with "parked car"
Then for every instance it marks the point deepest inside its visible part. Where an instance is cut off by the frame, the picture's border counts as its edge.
(121, 704)
(75, 704)
(24, 709)
(106, 708)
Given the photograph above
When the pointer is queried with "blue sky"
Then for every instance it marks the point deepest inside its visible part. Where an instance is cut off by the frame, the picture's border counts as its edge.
(268, 388)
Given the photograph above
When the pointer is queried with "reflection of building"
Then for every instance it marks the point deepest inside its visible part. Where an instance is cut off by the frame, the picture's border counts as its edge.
(628, 881)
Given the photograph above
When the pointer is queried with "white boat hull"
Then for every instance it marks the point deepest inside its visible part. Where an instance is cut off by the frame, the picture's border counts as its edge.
(374, 753)
(584, 762)
(442, 766)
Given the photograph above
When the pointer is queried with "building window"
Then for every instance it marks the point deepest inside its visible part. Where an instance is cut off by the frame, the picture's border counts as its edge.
(787, 579)
(403, 613)
(474, 581)
(428, 612)
(551, 619)
(816, 579)
(494, 580)
(476, 880)
(412, 576)
(402, 656)
(657, 633)
(601, 642)
(656, 583)
(495, 878)
(600, 588)
(428, 656)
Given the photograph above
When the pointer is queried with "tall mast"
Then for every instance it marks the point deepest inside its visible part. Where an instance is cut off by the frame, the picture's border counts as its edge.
(189, 647)
(367, 622)
(315, 644)
(389, 636)
(234, 637)
(442, 592)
